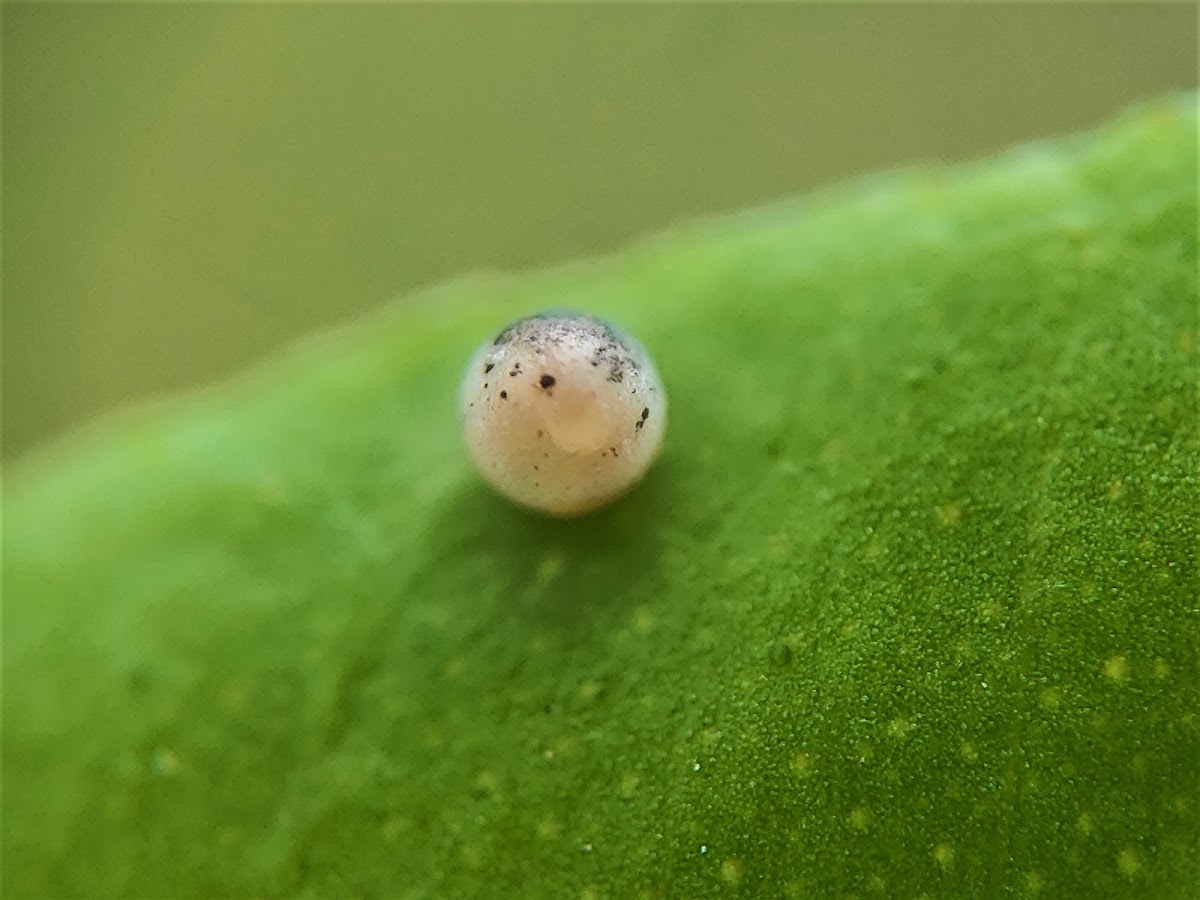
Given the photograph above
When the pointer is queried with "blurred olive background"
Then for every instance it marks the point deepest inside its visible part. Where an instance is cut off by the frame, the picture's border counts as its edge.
(188, 187)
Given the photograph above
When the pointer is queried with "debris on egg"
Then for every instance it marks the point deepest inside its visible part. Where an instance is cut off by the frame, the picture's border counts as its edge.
(562, 413)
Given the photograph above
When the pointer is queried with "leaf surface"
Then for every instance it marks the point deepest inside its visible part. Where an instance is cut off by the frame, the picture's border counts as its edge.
(908, 607)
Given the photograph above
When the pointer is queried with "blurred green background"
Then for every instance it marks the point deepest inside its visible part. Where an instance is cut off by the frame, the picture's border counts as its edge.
(187, 187)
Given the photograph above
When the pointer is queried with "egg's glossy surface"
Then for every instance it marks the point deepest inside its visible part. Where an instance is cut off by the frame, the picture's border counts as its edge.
(562, 413)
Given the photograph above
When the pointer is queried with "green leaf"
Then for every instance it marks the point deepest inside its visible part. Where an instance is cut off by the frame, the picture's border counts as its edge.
(909, 606)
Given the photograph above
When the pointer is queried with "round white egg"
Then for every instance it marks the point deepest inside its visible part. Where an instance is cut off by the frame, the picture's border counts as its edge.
(562, 413)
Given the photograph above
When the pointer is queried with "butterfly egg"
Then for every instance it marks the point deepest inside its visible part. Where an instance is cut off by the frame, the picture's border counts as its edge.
(562, 413)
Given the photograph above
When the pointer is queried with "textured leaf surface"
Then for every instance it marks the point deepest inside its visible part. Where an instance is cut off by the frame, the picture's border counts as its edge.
(908, 607)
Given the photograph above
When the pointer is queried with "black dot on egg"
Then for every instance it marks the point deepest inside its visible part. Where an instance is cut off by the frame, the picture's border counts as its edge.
(547, 381)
